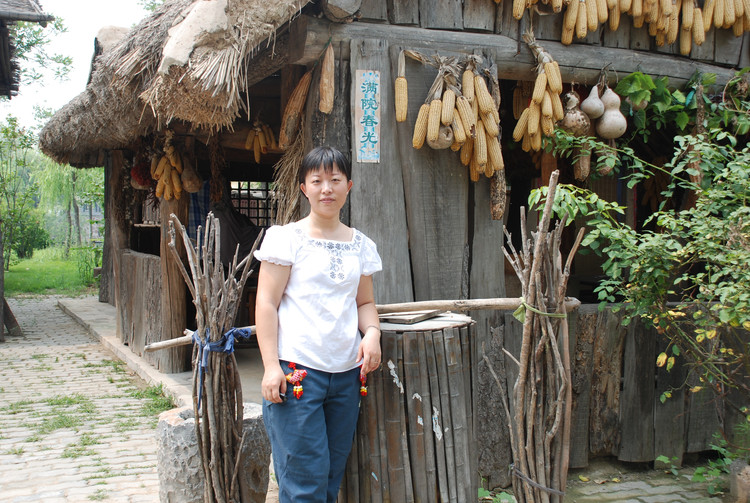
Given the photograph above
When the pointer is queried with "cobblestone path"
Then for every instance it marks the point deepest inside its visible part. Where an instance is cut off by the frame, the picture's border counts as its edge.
(75, 423)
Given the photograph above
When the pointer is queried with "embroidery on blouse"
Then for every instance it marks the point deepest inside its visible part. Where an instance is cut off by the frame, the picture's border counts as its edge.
(335, 250)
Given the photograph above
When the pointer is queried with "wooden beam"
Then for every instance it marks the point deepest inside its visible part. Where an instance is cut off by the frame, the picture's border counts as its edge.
(578, 63)
(271, 56)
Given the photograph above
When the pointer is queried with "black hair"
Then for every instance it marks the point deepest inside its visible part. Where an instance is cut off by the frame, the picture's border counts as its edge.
(326, 157)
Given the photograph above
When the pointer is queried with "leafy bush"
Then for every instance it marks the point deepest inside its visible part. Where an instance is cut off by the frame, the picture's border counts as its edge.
(686, 270)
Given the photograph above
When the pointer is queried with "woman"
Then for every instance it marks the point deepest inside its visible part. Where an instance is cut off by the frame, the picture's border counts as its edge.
(315, 297)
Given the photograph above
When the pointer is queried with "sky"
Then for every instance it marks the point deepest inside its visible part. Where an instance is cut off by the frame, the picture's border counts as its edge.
(83, 18)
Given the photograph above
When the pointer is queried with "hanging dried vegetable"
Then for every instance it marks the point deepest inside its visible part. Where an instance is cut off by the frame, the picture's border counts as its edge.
(545, 107)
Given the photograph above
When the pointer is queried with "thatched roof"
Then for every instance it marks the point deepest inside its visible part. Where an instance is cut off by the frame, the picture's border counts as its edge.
(23, 10)
(10, 12)
(139, 86)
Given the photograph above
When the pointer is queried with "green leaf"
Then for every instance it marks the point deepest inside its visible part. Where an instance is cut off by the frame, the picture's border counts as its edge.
(682, 120)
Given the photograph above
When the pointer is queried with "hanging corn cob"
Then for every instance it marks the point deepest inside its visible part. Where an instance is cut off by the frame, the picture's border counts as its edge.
(401, 92)
(260, 139)
(167, 169)
(486, 150)
(545, 107)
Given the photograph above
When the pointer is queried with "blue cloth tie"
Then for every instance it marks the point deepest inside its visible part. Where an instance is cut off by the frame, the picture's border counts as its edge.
(223, 345)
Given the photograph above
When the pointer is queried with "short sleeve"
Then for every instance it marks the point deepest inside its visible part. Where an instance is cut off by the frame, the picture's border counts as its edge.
(371, 262)
(277, 246)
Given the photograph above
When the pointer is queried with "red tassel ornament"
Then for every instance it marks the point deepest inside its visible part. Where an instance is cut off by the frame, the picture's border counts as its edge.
(363, 386)
(295, 379)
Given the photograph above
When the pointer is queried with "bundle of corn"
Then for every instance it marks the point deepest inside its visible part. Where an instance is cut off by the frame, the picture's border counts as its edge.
(545, 107)
(726, 14)
(434, 123)
(217, 388)
(293, 111)
(519, 6)
(521, 96)
(487, 156)
(461, 115)
(166, 170)
(260, 139)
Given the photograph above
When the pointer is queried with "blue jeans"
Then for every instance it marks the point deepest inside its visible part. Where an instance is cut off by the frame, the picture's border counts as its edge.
(311, 437)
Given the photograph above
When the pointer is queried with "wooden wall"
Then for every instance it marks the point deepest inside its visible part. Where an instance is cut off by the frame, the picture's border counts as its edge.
(617, 387)
(721, 46)
(140, 317)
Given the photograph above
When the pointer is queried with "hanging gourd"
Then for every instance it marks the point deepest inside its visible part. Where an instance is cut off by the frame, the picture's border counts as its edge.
(593, 106)
(612, 124)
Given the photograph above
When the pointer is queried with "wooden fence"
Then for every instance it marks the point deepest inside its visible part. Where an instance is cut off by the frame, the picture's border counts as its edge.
(617, 389)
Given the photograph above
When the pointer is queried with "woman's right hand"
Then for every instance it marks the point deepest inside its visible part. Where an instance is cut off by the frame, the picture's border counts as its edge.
(274, 382)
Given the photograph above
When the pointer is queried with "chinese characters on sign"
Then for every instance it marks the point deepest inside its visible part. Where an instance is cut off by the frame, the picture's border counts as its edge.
(367, 116)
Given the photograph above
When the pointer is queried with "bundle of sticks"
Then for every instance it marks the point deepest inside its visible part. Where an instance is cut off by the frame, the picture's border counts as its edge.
(541, 397)
(217, 391)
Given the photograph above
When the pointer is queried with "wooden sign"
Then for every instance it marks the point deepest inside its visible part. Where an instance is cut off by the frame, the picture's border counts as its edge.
(367, 116)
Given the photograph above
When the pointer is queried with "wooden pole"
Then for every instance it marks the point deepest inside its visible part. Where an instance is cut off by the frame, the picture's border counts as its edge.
(501, 304)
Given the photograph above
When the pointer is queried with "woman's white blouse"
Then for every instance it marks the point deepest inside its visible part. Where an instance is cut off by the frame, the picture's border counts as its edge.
(318, 323)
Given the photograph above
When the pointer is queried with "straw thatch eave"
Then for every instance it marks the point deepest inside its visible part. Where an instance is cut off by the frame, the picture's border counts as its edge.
(129, 96)
(105, 115)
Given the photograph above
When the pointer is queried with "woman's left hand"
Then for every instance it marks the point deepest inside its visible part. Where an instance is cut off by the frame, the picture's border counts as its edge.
(369, 351)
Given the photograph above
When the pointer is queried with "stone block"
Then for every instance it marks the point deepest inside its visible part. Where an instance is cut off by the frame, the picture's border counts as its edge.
(179, 464)
(739, 481)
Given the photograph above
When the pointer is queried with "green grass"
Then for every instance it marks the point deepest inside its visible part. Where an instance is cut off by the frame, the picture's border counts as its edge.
(46, 273)
(156, 400)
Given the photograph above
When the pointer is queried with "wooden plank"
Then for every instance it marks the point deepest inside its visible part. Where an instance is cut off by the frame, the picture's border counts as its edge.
(493, 450)
(173, 290)
(604, 418)
(444, 14)
(640, 39)
(438, 420)
(620, 38)
(729, 47)
(436, 193)
(374, 9)
(581, 374)
(429, 438)
(745, 53)
(408, 482)
(9, 320)
(479, 15)
(124, 289)
(392, 402)
(705, 51)
(415, 416)
(349, 488)
(466, 369)
(585, 62)
(669, 417)
(403, 12)
(379, 483)
(370, 196)
(487, 279)
(438, 345)
(548, 27)
(702, 418)
(460, 415)
(367, 433)
(505, 23)
(637, 403)
(118, 235)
